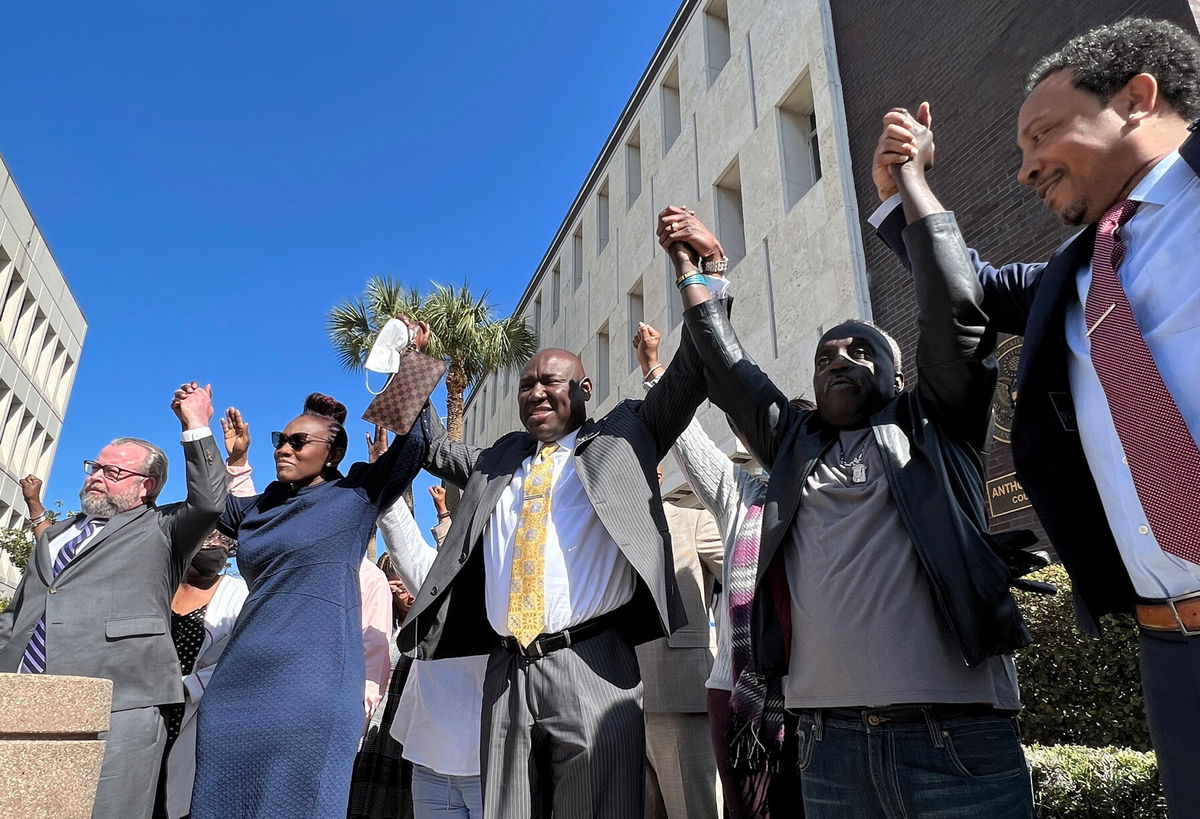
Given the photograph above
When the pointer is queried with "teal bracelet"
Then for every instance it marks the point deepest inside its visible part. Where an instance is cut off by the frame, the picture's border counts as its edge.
(695, 278)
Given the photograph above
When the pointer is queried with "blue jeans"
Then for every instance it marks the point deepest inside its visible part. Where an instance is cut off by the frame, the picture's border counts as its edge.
(932, 762)
(436, 795)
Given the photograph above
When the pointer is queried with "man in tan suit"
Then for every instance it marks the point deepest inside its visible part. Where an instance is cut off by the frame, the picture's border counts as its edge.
(681, 773)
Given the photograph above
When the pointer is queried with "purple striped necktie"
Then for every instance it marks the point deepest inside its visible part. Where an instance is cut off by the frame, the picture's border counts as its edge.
(1159, 448)
(33, 661)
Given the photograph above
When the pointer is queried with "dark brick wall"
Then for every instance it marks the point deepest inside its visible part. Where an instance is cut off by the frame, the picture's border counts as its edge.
(970, 60)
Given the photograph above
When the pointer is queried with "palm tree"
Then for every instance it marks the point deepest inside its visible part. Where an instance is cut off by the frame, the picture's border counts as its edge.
(465, 333)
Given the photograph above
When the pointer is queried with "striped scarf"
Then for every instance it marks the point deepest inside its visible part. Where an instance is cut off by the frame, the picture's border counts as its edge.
(757, 723)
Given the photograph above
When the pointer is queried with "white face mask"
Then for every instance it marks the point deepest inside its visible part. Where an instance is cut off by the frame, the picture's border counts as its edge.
(389, 347)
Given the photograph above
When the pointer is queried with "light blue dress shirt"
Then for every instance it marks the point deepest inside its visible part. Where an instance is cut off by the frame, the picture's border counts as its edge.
(1161, 277)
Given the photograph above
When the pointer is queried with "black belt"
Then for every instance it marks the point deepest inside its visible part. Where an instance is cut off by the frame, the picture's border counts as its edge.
(543, 644)
(916, 713)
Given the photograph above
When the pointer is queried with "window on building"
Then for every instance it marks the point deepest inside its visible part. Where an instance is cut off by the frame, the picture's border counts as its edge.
(577, 255)
(12, 305)
(637, 314)
(672, 122)
(633, 167)
(45, 359)
(64, 382)
(798, 146)
(555, 292)
(12, 430)
(602, 218)
(602, 363)
(33, 345)
(537, 319)
(716, 37)
(731, 227)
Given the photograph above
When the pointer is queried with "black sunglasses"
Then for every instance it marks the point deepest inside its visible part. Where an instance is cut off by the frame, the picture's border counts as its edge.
(296, 440)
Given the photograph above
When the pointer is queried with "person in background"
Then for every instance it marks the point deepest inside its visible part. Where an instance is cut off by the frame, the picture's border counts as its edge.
(295, 661)
(437, 722)
(203, 613)
(95, 600)
(378, 613)
(681, 772)
(439, 530)
(753, 744)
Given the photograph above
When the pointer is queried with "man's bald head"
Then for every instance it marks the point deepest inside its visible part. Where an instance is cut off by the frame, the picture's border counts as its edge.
(553, 393)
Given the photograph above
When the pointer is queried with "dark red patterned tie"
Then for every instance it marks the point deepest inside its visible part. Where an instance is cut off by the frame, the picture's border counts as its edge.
(1161, 452)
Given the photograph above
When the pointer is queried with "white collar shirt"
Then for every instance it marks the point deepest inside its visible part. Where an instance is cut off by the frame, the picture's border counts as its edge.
(71, 532)
(586, 574)
(1163, 288)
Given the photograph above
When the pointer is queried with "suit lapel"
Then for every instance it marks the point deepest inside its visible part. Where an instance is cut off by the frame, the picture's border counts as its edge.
(114, 525)
(45, 565)
(1190, 149)
(498, 477)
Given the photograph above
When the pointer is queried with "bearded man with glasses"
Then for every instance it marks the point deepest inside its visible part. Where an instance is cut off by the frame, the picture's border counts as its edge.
(95, 600)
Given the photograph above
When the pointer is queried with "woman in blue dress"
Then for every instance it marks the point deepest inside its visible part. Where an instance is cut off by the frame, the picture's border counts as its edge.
(283, 714)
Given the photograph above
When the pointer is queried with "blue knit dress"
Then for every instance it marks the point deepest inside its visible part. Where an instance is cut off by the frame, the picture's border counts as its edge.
(281, 719)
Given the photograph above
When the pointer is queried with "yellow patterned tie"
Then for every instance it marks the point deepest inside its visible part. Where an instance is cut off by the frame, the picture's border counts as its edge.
(526, 592)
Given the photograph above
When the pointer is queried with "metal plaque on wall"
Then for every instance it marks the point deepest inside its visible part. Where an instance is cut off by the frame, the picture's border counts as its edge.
(1008, 357)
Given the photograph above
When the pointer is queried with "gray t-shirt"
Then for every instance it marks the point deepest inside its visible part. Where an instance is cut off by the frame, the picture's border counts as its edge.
(866, 630)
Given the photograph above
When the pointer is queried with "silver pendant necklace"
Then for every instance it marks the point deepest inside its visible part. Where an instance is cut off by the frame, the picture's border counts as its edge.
(858, 469)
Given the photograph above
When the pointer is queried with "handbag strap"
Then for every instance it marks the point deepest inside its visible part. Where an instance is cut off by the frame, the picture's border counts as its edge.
(411, 348)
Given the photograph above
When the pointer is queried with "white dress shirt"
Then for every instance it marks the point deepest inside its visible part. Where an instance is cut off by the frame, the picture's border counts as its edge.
(1160, 279)
(585, 573)
(440, 711)
(70, 533)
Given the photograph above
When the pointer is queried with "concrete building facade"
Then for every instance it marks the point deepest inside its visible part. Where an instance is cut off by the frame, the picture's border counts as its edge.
(739, 116)
(41, 337)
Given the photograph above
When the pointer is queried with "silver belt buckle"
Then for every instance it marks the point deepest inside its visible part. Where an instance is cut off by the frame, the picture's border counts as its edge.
(1183, 598)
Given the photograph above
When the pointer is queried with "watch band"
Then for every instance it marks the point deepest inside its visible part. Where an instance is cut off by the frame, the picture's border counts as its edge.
(715, 266)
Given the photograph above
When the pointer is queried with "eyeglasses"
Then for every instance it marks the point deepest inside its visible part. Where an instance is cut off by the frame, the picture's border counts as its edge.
(296, 440)
(113, 473)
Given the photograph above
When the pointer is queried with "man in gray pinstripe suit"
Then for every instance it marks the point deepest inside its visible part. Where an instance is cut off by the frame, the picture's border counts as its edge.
(563, 731)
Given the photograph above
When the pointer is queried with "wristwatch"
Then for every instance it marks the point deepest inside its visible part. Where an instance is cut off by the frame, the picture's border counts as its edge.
(718, 267)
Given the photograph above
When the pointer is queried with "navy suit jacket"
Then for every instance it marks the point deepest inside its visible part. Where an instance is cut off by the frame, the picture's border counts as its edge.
(1031, 300)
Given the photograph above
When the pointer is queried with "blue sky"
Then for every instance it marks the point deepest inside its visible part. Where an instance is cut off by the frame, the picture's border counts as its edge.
(213, 177)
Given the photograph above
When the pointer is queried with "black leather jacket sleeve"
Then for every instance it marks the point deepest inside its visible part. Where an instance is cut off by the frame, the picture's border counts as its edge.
(757, 408)
(956, 373)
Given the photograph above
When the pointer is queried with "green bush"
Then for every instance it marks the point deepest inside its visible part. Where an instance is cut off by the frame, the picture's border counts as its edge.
(1076, 782)
(1077, 689)
(4, 601)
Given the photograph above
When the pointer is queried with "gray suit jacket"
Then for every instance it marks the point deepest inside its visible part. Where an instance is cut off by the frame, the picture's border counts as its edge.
(615, 458)
(675, 668)
(108, 614)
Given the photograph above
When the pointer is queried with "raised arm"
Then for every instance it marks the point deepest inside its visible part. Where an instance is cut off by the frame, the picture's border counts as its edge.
(449, 460)
(735, 383)
(31, 491)
(957, 374)
(411, 554)
(1008, 290)
(709, 471)
(187, 523)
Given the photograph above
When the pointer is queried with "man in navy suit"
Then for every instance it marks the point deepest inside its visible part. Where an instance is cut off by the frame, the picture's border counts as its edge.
(1108, 404)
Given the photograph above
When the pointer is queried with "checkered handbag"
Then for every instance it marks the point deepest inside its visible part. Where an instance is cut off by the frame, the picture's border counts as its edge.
(396, 408)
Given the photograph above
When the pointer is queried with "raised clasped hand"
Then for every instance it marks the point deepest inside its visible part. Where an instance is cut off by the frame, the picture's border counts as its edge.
(905, 138)
(679, 228)
(192, 405)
